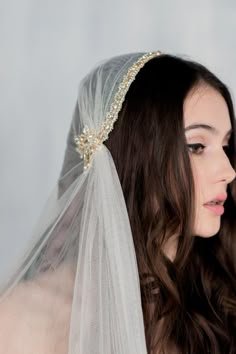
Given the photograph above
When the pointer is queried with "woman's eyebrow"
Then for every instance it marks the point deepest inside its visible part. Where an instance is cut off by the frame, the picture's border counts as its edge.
(207, 127)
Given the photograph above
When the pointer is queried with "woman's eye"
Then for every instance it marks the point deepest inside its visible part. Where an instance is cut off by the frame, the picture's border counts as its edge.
(196, 148)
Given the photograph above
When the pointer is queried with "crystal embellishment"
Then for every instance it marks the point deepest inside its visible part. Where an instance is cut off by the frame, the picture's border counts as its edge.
(86, 144)
(89, 141)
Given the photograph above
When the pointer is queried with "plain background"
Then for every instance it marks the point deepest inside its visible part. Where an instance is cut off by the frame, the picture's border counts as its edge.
(47, 46)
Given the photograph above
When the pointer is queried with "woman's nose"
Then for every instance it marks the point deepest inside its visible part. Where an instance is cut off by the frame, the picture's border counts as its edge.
(226, 170)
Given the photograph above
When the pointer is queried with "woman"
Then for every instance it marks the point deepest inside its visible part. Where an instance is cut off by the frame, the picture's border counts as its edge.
(136, 250)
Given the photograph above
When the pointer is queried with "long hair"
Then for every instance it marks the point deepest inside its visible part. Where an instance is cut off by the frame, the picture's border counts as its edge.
(189, 304)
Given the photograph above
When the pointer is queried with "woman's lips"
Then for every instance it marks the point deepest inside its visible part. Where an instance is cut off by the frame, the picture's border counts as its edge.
(217, 209)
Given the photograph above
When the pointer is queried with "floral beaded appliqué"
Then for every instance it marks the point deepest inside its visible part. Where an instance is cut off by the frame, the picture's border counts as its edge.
(89, 141)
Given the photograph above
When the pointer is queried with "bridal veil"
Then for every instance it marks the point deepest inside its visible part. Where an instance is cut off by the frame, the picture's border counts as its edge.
(80, 265)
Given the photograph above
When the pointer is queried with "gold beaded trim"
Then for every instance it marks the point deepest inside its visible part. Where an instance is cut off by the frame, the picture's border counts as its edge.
(89, 141)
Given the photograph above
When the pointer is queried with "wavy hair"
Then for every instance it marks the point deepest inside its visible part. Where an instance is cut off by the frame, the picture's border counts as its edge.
(189, 304)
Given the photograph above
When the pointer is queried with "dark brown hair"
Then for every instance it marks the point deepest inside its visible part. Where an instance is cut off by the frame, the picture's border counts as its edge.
(189, 305)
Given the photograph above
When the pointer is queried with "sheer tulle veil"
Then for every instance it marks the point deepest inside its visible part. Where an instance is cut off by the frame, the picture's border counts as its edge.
(80, 264)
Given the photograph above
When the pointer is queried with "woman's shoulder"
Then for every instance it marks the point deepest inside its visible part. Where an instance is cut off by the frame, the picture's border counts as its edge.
(35, 316)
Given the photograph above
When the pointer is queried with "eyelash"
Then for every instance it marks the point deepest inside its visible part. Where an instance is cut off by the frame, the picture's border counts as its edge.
(194, 148)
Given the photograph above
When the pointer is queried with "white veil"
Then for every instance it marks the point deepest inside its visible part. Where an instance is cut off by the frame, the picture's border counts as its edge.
(75, 288)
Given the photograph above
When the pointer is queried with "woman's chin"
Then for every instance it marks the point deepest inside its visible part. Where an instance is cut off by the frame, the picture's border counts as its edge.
(208, 228)
(207, 235)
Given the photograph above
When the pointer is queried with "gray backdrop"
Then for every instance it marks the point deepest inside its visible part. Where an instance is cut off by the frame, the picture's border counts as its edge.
(46, 46)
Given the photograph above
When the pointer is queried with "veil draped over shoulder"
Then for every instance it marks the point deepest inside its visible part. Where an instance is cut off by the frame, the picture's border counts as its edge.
(74, 288)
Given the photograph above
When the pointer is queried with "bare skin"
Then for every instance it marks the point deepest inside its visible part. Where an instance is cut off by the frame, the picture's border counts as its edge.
(35, 317)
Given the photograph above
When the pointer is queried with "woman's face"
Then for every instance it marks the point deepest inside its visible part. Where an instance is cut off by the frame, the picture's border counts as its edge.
(208, 129)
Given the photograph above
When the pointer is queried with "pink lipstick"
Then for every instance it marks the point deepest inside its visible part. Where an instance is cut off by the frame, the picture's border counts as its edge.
(216, 204)
(217, 209)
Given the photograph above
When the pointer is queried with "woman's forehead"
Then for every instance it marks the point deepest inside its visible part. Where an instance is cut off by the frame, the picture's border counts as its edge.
(206, 106)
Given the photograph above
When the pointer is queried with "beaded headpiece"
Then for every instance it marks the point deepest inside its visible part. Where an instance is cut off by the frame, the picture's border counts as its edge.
(89, 141)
